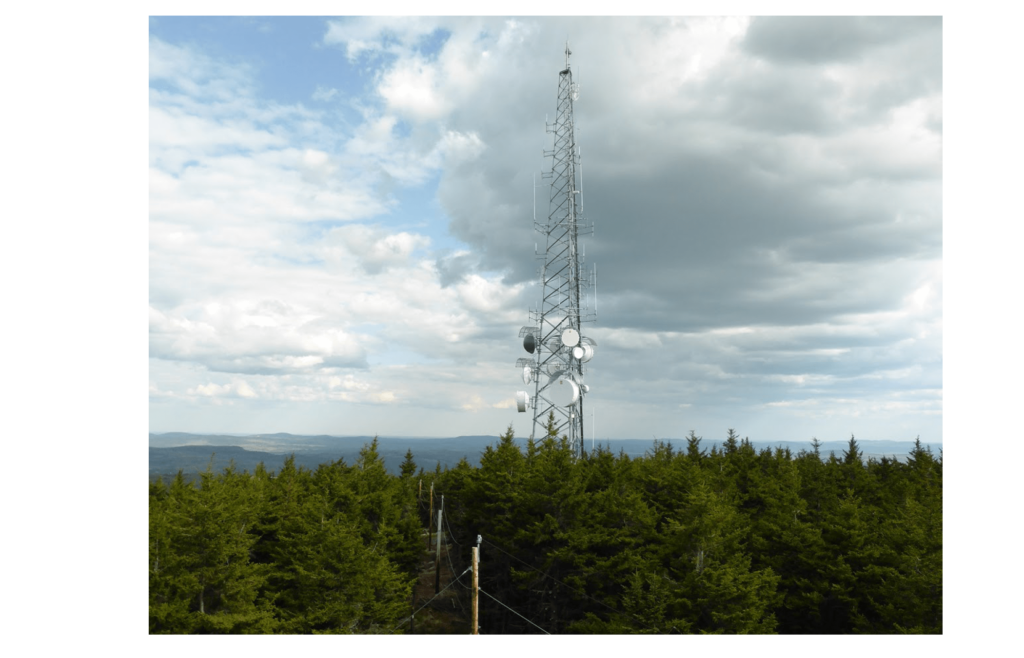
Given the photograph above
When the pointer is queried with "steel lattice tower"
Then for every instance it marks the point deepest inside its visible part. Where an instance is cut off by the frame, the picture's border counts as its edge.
(555, 337)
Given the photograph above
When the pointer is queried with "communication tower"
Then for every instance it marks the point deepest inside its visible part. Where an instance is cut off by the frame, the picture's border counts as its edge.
(555, 336)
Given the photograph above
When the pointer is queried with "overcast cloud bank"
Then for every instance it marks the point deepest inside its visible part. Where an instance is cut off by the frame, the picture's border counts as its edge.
(766, 195)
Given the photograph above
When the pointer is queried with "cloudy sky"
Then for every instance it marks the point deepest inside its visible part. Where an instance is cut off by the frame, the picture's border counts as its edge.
(340, 223)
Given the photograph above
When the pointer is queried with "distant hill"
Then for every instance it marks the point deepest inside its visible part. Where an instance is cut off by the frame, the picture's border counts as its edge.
(192, 453)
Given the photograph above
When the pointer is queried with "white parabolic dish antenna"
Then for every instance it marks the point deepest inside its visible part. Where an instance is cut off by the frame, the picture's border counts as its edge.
(522, 400)
(562, 391)
(527, 374)
(570, 337)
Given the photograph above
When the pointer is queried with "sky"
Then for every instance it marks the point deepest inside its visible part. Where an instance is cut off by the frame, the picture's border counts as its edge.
(340, 223)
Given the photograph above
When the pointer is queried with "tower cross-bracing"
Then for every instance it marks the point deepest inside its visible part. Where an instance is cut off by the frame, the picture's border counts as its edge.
(555, 337)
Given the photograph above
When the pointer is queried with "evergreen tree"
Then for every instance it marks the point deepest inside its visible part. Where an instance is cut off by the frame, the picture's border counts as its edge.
(782, 540)
(716, 590)
(202, 580)
(408, 467)
(731, 442)
(693, 449)
(719, 541)
(387, 511)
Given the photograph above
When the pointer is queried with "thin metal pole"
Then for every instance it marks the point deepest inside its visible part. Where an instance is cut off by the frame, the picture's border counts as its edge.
(430, 517)
(476, 589)
(437, 556)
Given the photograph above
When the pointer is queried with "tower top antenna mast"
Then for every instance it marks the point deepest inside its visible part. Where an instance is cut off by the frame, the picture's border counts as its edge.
(555, 337)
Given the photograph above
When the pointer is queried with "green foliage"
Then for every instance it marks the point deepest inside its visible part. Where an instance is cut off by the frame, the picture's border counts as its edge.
(330, 551)
(201, 579)
(677, 541)
(408, 467)
(698, 541)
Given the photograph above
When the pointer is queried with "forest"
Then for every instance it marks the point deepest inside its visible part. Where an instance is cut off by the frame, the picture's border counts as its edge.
(681, 540)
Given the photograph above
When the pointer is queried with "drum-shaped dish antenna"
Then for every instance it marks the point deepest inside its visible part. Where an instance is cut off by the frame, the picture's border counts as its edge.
(562, 391)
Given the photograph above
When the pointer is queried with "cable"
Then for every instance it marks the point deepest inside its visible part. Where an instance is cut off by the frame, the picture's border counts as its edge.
(507, 608)
(578, 591)
(432, 598)
(448, 554)
(450, 533)
(571, 587)
(551, 577)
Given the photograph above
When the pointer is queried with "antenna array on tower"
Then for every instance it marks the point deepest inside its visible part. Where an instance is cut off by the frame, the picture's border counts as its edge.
(555, 338)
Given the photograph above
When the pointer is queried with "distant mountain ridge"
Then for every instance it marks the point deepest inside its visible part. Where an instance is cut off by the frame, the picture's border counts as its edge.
(192, 453)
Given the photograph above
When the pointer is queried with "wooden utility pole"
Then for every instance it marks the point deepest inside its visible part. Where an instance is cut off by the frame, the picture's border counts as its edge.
(476, 589)
(437, 556)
